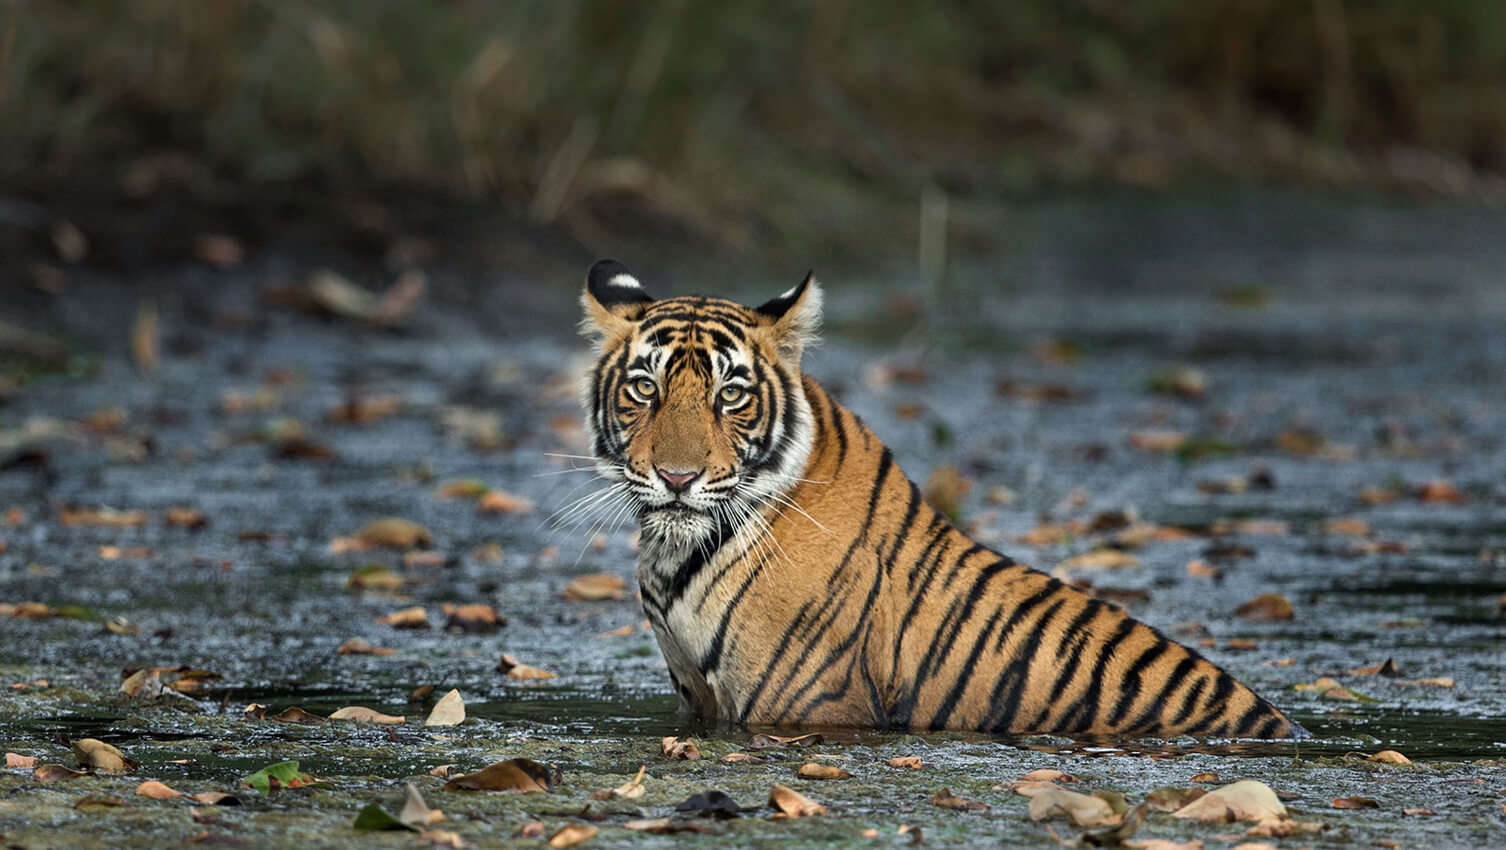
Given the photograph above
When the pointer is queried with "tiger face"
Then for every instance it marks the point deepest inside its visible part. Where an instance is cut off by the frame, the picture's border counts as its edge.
(695, 405)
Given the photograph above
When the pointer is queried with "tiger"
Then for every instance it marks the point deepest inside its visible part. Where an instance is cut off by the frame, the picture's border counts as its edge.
(795, 577)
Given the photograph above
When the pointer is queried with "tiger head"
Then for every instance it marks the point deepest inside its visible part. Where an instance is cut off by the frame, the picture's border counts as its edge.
(695, 405)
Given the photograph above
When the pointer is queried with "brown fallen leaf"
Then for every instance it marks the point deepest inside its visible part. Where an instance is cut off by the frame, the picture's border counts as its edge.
(1168, 798)
(515, 669)
(448, 711)
(294, 714)
(571, 835)
(1099, 559)
(407, 618)
(1385, 668)
(520, 775)
(462, 488)
(475, 617)
(96, 754)
(1441, 492)
(1153, 440)
(443, 771)
(1438, 682)
(442, 838)
(1414, 812)
(1083, 810)
(1266, 608)
(1355, 803)
(947, 800)
(1193, 844)
(1346, 527)
(1246, 799)
(668, 826)
(630, 790)
(907, 762)
(156, 790)
(392, 533)
(190, 518)
(106, 517)
(145, 339)
(1046, 774)
(764, 741)
(364, 410)
(742, 758)
(421, 558)
(1389, 757)
(1203, 569)
(595, 587)
(415, 812)
(361, 714)
(215, 798)
(56, 773)
(357, 646)
(814, 770)
(500, 502)
(1205, 776)
(792, 803)
(98, 802)
(18, 760)
(1051, 533)
(676, 748)
(532, 829)
(376, 577)
(116, 553)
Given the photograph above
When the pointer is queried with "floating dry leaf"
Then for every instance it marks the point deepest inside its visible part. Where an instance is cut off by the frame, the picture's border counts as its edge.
(442, 838)
(631, 790)
(764, 741)
(668, 826)
(106, 517)
(96, 802)
(442, 771)
(407, 618)
(1413, 812)
(1050, 533)
(1389, 757)
(462, 488)
(1385, 668)
(1355, 803)
(1205, 776)
(1203, 569)
(792, 803)
(571, 835)
(1100, 559)
(1441, 492)
(1083, 810)
(448, 711)
(1438, 682)
(96, 754)
(357, 646)
(742, 758)
(1246, 799)
(515, 669)
(156, 790)
(394, 533)
(18, 760)
(501, 502)
(377, 577)
(595, 587)
(1193, 844)
(145, 339)
(55, 773)
(1168, 798)
(521, 775)
(361, 714)
(814, 770)
(947, 800)
(415, 812)
(215, 798)
(1046, 774)
(1265, 608)
(364, 410)
(475, 617)
(907, 762)
(1153, 440)
(677, 748)
(296, 715)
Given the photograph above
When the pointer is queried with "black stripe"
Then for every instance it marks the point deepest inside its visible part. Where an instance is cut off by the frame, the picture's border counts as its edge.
(1087, 710)
(1223, 686)
(1189, 700)
(1149, 719)
(1130, 683)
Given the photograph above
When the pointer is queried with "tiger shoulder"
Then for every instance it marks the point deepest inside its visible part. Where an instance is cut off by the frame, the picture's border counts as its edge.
(795, 576)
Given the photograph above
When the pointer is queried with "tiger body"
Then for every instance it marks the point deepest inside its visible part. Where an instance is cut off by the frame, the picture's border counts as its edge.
(794, 576)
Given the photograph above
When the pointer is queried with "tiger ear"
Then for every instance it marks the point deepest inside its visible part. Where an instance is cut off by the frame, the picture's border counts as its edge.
(612, 301)
(794, 317)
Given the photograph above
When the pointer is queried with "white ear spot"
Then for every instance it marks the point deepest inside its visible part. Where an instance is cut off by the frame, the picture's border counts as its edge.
(789, 293)
(626, 281)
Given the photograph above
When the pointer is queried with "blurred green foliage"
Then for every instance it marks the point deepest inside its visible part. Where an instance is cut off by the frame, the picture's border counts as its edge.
(766, 106)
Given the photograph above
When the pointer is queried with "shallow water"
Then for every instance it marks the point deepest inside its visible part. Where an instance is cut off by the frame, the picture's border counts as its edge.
(1380, 334)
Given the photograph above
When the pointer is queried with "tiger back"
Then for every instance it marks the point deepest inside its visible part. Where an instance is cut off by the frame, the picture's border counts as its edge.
(794, 576)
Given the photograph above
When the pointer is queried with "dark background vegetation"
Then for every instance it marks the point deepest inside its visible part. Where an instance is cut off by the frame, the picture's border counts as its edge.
(747, 126)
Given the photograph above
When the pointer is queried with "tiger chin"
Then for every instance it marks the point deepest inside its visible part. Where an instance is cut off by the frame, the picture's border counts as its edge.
(794, 576)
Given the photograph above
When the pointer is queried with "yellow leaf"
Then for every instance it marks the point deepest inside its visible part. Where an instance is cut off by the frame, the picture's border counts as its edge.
(448, 711)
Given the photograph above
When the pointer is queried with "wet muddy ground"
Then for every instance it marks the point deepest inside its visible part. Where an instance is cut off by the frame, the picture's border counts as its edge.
(1302, 400)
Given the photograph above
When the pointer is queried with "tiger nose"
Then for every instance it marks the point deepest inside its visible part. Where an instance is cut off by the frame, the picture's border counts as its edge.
(677, 481)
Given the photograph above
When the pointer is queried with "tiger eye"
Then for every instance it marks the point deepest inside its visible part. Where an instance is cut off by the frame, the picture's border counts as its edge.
(645, 387)
(732, 393)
